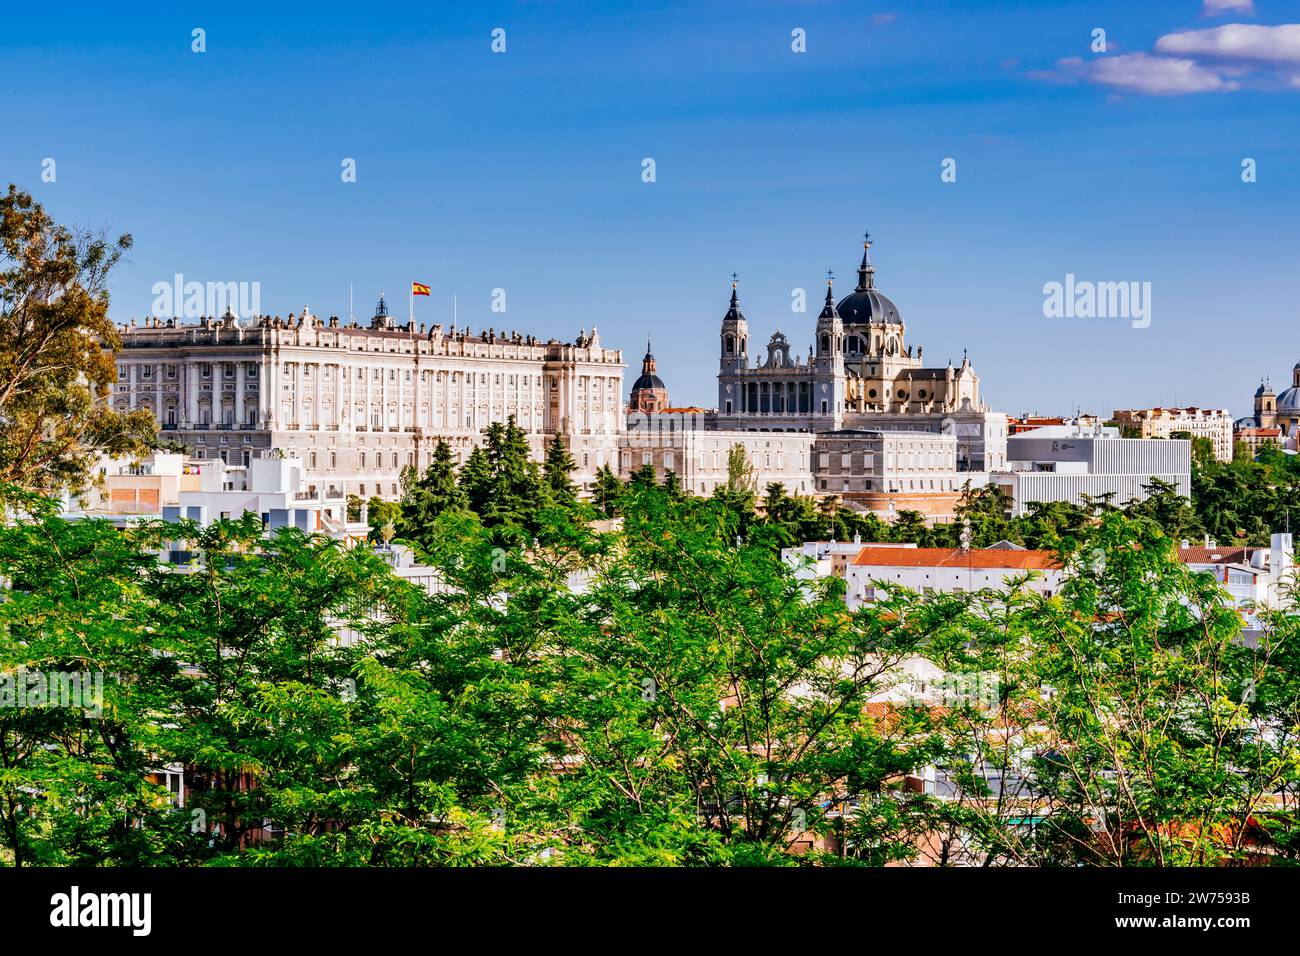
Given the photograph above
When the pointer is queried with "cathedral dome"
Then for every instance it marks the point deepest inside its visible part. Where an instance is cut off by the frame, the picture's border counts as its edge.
(1288, 403)
(866, 304)
(649, 393)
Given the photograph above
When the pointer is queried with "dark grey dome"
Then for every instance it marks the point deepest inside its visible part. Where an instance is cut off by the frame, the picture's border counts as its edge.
(648, 381)
(1288, 403)
(868, 305)
(1264, 389)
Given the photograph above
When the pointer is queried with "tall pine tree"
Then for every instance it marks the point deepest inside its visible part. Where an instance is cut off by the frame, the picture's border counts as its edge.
(559, 465)
(608, 491)
(429, 495)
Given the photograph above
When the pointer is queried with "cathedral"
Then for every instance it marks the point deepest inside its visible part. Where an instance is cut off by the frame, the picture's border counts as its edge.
(1276, 418)
(860, 374)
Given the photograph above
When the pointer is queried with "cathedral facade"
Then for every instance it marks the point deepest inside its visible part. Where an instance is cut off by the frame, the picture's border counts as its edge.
(860, 374)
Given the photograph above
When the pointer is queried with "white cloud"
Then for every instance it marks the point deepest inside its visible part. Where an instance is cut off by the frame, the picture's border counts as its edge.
(1141, 73)
(1214, 8)
(1237, 41)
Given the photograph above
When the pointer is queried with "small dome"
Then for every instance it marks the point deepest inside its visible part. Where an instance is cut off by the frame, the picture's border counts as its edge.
(1264, 389)
(1288, 403)
(1247, 422)
(648, 381)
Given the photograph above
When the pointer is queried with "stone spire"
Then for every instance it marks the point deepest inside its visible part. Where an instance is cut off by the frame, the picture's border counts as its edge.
(828, 310)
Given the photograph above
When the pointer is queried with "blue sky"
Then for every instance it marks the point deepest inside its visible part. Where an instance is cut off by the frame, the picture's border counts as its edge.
(522, 171)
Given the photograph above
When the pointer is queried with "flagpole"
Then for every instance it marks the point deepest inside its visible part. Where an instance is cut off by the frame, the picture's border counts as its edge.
(410, 315)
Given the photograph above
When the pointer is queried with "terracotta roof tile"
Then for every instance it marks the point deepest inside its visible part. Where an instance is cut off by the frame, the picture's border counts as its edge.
(956, 558)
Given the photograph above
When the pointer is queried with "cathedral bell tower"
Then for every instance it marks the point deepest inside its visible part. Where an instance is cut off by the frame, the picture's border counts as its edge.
(1266, 404)
(734, 358)
(734, 336)
(828, 364)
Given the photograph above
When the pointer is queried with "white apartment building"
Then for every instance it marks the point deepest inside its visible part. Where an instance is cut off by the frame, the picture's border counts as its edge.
(357, 405)
(1212, 423)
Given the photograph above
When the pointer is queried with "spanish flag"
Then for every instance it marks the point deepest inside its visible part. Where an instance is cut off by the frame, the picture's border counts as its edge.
(419, 288)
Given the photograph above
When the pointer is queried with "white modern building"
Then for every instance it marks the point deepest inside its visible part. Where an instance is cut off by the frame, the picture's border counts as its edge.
(273, 488)
(1067, 462)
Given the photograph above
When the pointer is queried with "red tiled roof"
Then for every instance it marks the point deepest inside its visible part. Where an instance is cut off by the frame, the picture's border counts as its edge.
(1202, 555)
(956, 558)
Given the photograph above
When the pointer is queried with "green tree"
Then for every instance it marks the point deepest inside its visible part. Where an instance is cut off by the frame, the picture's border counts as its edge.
(559, 465)
(384, 517)
(503, 484)
(608, 491)
(56, 352)
(427, 496)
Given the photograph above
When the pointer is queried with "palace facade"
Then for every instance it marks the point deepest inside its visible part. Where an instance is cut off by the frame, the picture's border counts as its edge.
(359, 404)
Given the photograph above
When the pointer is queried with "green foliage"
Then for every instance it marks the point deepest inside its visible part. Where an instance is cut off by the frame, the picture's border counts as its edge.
(1244, 500)
(502, 483)
(608, 491)
(559, 464)
(694, 702)
(56, 352)
(383, 518)
(427, 496)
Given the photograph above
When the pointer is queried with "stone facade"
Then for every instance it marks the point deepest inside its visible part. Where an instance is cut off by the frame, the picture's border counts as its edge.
(691, 446)
(359, 404)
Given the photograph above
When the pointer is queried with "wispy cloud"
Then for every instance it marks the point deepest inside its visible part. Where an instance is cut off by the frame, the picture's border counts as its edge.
(1233, 56)
(1216, 8)
(1237, 41)
(1143, 73)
